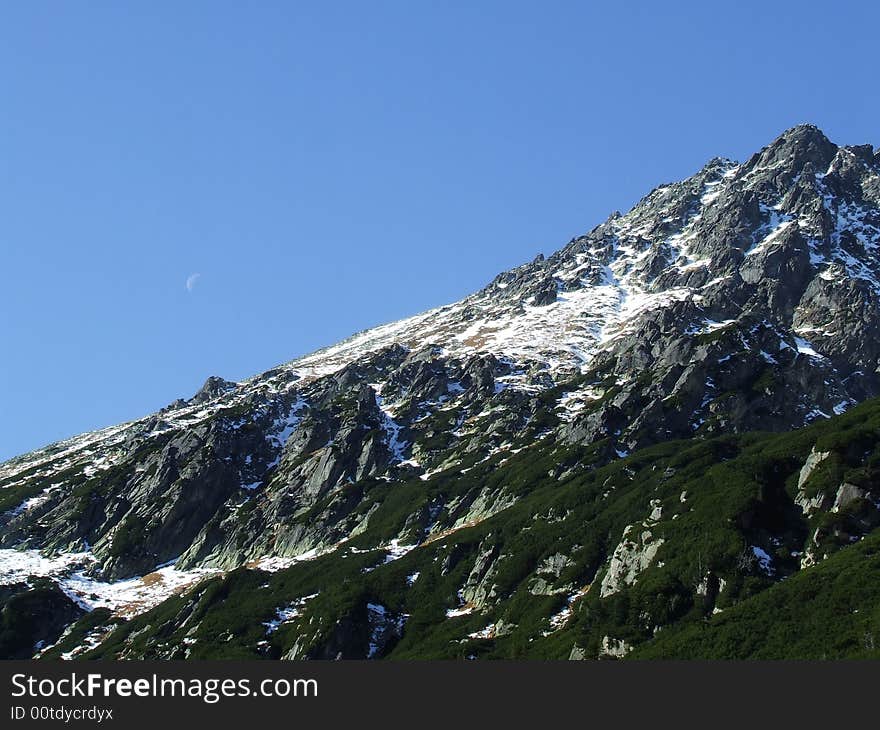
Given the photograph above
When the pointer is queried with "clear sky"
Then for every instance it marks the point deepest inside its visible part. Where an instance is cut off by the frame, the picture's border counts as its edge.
(196, 188)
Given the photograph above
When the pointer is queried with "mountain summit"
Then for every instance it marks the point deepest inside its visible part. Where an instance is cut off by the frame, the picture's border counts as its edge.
(744, 298)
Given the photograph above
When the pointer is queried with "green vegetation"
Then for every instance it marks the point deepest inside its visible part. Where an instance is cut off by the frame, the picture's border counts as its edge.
(831, 611)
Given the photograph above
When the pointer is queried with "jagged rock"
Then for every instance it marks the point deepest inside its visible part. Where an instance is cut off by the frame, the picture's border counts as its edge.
(213, 388)
(810, 504)
(614, 648)
(551, 568)
(479, 588)
(813, 460)
(846, 495)
(545, 293)
(630, 557)
(542, 587)
(555, 564)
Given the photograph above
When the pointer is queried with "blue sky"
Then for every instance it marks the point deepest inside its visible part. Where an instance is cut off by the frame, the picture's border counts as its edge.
(312, 169)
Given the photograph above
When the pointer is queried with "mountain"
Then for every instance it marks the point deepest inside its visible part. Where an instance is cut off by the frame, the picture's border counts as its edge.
(652, 424)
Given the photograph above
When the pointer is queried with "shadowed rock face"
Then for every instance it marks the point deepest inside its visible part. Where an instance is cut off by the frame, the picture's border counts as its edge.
(742, 298)
(33, 617)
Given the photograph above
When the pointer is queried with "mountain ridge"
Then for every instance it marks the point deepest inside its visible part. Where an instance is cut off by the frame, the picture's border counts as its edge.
(812, 132)
(742, 298)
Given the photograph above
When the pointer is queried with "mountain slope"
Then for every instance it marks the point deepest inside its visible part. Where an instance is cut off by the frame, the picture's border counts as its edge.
(742, 298)
(677, 541)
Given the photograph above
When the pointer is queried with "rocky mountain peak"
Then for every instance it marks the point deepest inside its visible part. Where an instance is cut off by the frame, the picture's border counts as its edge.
(743, 297)
(213, 387)
(800, 144)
